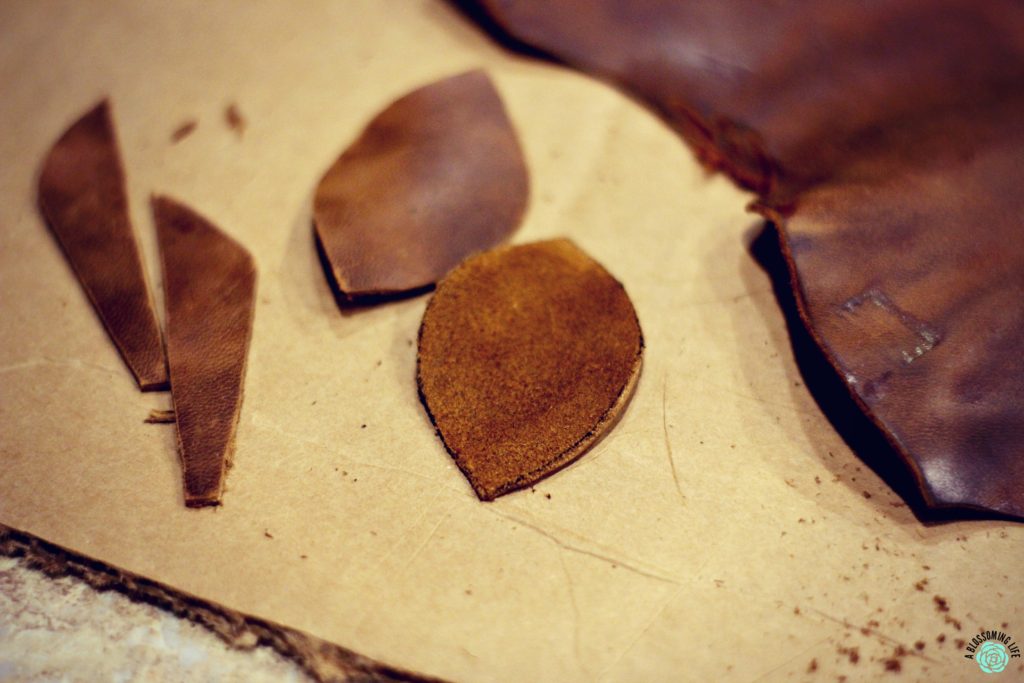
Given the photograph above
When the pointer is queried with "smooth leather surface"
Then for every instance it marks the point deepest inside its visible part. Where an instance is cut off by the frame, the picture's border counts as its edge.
(82, 196)
(884, 140)
(436, 176)
(527, 356)
(209, 292)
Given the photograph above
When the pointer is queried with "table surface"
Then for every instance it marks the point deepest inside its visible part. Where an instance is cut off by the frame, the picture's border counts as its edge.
(723, 531)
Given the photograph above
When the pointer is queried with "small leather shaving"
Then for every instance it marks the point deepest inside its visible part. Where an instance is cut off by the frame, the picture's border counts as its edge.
(160, 417)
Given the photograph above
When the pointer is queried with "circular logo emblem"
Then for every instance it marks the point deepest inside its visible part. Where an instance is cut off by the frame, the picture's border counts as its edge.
(992, 657)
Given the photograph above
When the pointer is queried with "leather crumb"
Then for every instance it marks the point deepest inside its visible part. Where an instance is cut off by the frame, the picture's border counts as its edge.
(157, 417)
(184, 130)
(234, 119)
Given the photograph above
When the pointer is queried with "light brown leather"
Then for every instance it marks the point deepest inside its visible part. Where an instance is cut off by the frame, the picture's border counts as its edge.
(886, 141)
(527, 356)
(209, 295)
(436, 176)
(82, 197)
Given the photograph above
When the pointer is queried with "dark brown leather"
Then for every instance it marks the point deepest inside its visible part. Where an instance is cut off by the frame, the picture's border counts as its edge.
(82, 197)
(783, 91)
(527, 356)
(436, 176)
(884, 138)
(209, 296)
(913, 282)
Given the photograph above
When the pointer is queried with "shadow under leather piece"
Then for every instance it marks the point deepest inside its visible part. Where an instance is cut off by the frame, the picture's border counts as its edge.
(315, 307)
(349, 306)
(833, 396)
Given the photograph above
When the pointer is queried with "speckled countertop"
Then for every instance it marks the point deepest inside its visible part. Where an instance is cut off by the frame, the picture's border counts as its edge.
(64, 630)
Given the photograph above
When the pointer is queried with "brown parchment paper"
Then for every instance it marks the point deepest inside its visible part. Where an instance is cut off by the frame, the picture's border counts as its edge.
(723, 531)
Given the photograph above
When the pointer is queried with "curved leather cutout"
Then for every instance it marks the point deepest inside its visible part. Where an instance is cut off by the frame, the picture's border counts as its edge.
(436, 176)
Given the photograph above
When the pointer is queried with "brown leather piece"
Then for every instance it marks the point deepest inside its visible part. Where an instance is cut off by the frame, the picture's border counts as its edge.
(783, 91)
(436, 176)
(913, 283)
(527, 357)
(885, 141)
(83, 199)
(209, 296)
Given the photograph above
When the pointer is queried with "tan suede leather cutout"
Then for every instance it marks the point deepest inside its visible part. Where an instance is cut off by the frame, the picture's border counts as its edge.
(527, 356)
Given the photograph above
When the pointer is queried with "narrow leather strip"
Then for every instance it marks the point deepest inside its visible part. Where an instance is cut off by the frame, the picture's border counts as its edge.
(886, 143)
(82, 197)
(436, 176)
(527, 357)
(209, 295)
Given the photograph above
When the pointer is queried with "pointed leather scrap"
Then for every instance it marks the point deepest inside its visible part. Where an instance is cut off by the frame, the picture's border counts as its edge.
(209, 293)
(436, 176)
(82, 197)
(527, 356)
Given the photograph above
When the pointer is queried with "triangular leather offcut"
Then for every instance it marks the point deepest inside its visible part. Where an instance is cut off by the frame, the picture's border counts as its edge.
(527, 356)
(82, 197)
(436, 176)
(209, 296)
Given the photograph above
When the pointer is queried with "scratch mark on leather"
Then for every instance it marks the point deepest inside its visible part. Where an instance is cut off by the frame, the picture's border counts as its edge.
(899, 339)
(668, 442)
(658, 575)
(928, 335)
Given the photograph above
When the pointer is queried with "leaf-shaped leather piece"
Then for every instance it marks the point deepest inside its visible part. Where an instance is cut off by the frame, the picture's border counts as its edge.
(527, 356)
(209, 295)
(83, 199)
(436, 176)
(885, 141)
